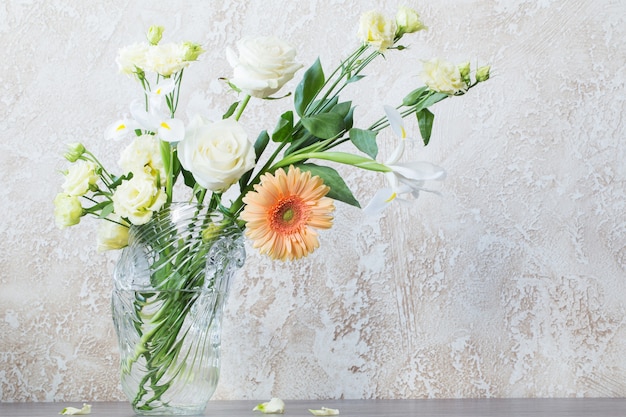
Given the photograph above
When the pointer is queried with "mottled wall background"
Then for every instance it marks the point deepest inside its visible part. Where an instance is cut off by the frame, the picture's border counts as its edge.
(509, 284)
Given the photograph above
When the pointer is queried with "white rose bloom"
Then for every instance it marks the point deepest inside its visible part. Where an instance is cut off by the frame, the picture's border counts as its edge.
(442, 76)
(111, 234)
(132, 57)
(375, 29)
(217, 154)
(263, 66)
(80, 176)
(137, 198)
(144, 151)
(166, 59)
(67, 210)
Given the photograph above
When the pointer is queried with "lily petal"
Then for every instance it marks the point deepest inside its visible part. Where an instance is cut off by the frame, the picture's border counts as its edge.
(325, 412)
(418, 170)
(120, 129)
(395, 121)
(274, 406)
(76, 411)
(380, 201)
(171, 130)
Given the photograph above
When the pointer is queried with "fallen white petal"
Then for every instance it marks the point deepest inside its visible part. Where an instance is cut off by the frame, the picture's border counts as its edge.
(325, 412)
(273, 406)
(77, 411)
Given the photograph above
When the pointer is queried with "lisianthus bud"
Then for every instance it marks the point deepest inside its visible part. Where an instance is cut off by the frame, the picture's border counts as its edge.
(464, 70)
(74, 151)
(482, 73)
(408, 21)
(155, 33)
(192, 51)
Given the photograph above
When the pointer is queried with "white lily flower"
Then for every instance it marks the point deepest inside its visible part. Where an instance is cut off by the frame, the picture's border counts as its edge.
(120, 129)
(168, 129)
(404, 177)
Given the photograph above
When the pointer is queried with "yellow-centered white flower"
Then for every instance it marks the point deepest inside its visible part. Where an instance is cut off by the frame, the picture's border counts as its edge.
(263, 66)
(143, 152)
(79, 178)
(138, 198)
(67, 210)
(217, 154)
(404, 177)
(442, 76)
(377, 30)
(112, 233)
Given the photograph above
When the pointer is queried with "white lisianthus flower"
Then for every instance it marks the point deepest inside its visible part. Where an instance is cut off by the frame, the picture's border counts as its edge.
(138, 198)
(442, 76)
(408, 21)
(67, 210)
(143, 152)
(375, 29)
(132, 57)
(79, 178)
(112, 233)
(166, 59)
(263, 66)
(217, 154)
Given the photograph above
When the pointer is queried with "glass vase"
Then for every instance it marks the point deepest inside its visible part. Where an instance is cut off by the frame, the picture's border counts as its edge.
(170, 286)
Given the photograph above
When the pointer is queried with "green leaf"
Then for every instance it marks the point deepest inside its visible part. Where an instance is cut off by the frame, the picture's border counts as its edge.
(365, 141)
(425, 120)
(342, 108)
(354, 79)
(188, 178)
(414, 96)
(338, 189)
(259, 146)
(324, 125)
(231, 110)
(349, 119)
(308, 88)
(284, 128)
(430, 100)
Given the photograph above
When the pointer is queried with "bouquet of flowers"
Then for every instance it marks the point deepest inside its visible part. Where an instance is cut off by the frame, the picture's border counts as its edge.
(284, 196)
(285, 190)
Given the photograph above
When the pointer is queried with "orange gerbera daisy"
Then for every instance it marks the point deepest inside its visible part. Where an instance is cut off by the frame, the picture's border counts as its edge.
(283, 212)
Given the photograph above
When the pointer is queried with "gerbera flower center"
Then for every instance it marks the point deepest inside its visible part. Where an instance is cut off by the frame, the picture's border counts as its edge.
(289, 215)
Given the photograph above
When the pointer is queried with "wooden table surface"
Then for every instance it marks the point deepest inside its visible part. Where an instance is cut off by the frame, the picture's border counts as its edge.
(596, 407)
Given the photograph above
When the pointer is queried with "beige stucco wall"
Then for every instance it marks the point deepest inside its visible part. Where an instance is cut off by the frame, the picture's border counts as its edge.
(511, 283)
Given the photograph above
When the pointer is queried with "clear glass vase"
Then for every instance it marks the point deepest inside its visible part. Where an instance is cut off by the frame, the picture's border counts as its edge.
(170, 286)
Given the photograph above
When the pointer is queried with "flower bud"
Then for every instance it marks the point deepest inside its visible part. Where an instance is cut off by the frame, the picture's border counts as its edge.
(74, 151)
(464, 70)
(67, 210)
(192, 51)
(408, 21)
(482, 73)
(155, 33)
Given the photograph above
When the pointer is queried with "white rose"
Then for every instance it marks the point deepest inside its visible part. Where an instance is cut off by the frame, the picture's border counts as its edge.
(137, 198)
(112, 233)
(263, 66)
(442, 76)
(375, 29)
(80, 176)
(217, 154)
(67, 210)
(166, 59)
(144, 151)
(132, 57)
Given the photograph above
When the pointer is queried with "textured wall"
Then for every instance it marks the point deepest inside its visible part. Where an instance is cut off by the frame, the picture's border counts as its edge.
(509, 284)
